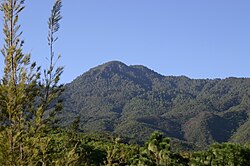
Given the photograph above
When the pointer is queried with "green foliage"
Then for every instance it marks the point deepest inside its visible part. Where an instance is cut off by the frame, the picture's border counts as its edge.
(222, 154)
(130, 101)
(17, 88)
(25, 98)
(120, 154)
(157, 151)
(134, 101)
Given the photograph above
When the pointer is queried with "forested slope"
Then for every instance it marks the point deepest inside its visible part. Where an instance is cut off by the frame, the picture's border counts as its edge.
(134, 101)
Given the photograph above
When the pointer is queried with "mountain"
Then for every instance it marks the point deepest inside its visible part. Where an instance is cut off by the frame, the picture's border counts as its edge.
(133, 101)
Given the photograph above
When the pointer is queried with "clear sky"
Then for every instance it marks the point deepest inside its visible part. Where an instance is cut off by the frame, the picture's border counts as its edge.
(196, 38)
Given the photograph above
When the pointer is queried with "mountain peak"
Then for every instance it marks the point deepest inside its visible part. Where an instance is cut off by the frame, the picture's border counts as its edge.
(115, 72)
(136, 71)
(134, 101)
(113, 65)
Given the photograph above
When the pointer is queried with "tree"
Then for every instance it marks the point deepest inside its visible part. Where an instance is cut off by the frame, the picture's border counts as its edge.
(222, 154)
(157, 151)
(26, 99)
(18, 88)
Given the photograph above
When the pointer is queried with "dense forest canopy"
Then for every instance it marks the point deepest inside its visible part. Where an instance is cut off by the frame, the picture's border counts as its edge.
(133, 101)
(114, 114)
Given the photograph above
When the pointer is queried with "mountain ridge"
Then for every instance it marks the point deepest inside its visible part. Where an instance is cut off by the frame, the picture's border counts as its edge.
(133, 101)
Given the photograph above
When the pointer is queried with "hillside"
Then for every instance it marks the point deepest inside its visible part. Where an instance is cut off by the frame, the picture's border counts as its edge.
(134, 101)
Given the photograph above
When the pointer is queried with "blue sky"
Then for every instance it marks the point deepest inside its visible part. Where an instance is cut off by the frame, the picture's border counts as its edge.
(196, 38)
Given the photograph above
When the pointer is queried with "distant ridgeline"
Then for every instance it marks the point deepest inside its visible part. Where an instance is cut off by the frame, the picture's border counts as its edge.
(134, 101)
